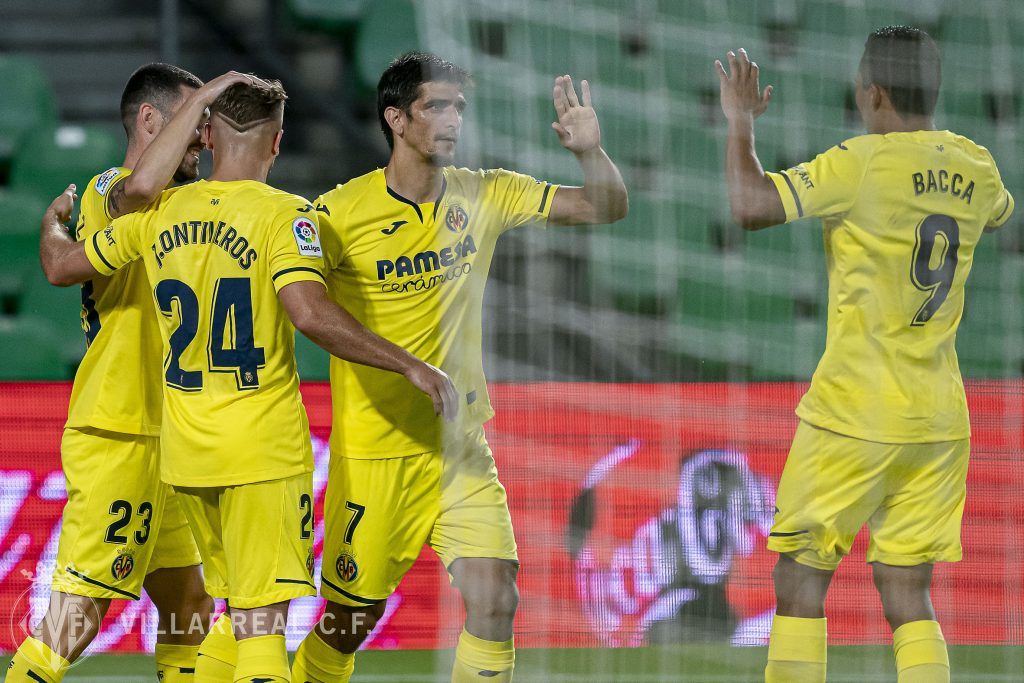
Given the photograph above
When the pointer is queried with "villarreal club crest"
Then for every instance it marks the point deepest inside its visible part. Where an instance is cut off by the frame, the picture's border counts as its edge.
(456, 219)
(122, 565)
(347, 568)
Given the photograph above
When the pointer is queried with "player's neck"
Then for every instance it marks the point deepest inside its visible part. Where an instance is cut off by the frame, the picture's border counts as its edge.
(891, 122)
(231, 169)
(133, 154)
(417, 180)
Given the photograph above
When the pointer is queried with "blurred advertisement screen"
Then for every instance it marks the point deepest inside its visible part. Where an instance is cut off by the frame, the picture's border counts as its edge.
(641, 513)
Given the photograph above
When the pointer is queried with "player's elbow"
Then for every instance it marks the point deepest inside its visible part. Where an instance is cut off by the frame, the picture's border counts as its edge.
(57, 276)
(140, 190)
(750, 217)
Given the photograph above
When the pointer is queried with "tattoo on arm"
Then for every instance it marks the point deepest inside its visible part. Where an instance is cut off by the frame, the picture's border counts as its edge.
(114, 200)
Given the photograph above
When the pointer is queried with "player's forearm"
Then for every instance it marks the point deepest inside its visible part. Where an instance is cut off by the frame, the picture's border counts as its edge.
(750, 190)
(57, 252)
(335, 330)
(155, 168)
(603, 186)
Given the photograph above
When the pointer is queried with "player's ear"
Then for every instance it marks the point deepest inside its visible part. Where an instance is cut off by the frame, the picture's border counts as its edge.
(276, 148)
(207, 136)
(876, 96)
(396, 119)
(148, 118)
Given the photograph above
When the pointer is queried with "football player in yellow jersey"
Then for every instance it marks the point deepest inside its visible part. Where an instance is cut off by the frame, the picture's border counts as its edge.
(233, 264)
(123, 529)
(884, 435)
(407, 249)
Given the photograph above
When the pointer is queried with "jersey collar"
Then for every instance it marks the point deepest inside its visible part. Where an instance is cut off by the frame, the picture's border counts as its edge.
(414, 205)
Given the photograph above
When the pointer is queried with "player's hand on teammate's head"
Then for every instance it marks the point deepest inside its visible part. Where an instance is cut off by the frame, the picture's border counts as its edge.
(213, 89)
(739, 89)
(64, 204)
(577, 126)
(438, 386)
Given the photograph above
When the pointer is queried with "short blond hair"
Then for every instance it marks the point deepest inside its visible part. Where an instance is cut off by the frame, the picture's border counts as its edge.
(246, 105)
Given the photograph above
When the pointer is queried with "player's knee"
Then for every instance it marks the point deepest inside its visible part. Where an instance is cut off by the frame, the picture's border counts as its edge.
(905, 592)
(345, 628)
(499, 603)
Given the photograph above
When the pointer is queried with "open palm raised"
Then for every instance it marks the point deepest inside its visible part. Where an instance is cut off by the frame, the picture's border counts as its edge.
(577, 126)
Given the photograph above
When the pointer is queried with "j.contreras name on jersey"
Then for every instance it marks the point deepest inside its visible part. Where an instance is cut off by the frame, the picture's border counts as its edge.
(213, 233)
(426, 269)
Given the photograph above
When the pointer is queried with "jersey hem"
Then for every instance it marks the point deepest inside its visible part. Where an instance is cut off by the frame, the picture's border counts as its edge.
(229, 480)
(132, 428)
(840, 427)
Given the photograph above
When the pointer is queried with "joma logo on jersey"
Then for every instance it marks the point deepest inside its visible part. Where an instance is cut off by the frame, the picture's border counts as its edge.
(346, 567)
(122, 566)
(456, 219)
(425, 261)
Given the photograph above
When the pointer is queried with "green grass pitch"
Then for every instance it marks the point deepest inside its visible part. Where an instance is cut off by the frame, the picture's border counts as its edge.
(675, 664)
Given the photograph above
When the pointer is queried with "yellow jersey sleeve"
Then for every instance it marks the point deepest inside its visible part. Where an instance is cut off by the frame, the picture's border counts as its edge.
(94, 202)
(296, 253)
(828, 184)
(519, 198)
(330, 238)
(1002, 207)
(116, 245)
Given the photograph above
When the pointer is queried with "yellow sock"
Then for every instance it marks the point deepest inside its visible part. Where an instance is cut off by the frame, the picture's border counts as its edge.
(218, 654)
(477, 659)
(262, 659)
(34, 662)
(176, 663)
(920, 653)
(796, 651)
(318, 662)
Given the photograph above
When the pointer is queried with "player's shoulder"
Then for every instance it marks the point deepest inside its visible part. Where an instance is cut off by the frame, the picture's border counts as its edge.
(351, 189)
(101, 183)
(971, 148)
(857, 147)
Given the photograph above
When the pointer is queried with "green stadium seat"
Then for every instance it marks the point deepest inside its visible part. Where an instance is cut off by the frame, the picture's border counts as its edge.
(313, 363)
(387, 30)
(31, 349)
(27, 102)
(21, 260)
(62, 306)
(332, 16)
(20, 213)
(50, 158)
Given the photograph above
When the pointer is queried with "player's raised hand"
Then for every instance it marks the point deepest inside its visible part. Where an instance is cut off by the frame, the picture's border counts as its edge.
(740, 90)
(213, 89)
(577, 126)
(64, 204)
(438, 386)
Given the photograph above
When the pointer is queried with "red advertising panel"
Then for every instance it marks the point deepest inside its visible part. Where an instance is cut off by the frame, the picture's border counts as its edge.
(640, 510)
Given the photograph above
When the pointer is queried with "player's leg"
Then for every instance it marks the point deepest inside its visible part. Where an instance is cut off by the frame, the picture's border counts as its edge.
(217, 655)
(106, 541)
(474, 539)
(377, 516)
(267, 534)
(830, 485)
(175, 585)
(918, 524)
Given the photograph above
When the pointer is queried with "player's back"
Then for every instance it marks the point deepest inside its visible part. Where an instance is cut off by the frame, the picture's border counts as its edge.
(116, 386)
(900, 247)
(216, 253)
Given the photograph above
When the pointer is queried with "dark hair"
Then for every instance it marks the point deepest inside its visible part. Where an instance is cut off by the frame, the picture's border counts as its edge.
(399, 85)
(905, 62)
(157, 84)
(245, 103)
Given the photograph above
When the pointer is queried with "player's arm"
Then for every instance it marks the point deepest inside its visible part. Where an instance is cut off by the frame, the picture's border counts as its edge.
(162, 157)
(753, 197)
(603, 197)
(337, 332)
(64, 260)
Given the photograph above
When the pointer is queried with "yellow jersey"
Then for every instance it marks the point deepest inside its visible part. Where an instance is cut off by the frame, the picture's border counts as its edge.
(216, 254)
(415, 274)
(117, 386)
(902, 214)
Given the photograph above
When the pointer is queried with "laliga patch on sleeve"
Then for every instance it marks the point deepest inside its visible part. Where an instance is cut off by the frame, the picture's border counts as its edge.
(104, 181)
(306, 237)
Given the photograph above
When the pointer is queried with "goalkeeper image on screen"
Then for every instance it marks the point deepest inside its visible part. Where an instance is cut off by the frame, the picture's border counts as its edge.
(883, 437)
(407, 249)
